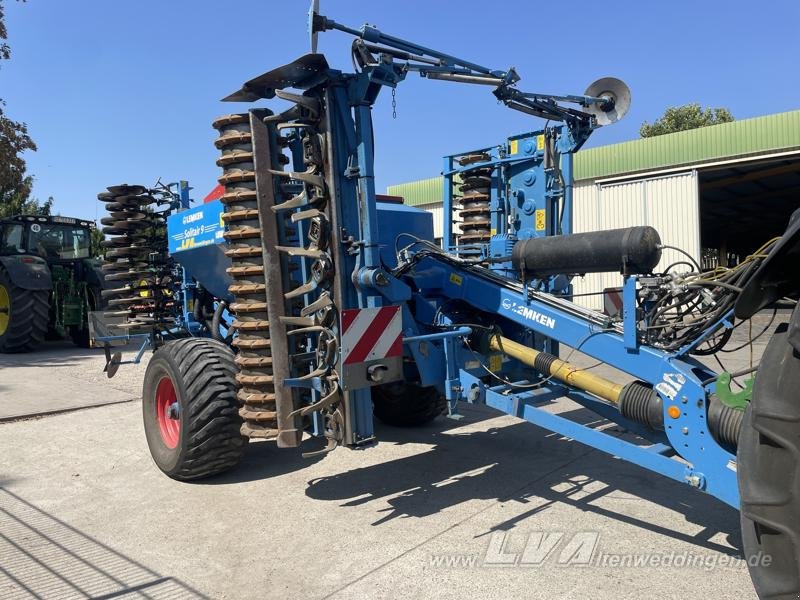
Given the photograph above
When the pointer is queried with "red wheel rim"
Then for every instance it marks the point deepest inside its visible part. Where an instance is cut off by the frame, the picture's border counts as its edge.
(168, 413)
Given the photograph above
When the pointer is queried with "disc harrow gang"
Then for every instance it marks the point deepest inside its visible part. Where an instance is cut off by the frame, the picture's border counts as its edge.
(309, 317)
(136, 262)
(475, 214)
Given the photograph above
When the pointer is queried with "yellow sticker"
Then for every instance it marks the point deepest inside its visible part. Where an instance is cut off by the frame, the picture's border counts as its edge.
(540, 142)
(540, 219)
(456, 279)
(513, 146)
(495, 362)
(493, 231)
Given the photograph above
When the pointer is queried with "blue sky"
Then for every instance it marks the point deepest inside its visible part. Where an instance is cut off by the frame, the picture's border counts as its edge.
(125, 91)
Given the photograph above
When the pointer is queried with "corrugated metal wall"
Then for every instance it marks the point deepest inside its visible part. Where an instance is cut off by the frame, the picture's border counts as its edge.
(416, 193)
(669, 204)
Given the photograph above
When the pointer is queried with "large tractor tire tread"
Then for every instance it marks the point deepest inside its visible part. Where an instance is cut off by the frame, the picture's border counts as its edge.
(768, 468)
(407, 404)
(29, 316)
(210, 442)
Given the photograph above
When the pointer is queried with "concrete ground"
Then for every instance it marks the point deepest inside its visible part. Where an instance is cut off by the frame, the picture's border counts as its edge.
(59, 378)
(489, 506)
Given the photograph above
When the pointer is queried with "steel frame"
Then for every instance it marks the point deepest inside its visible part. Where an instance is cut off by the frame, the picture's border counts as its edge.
(685, 452)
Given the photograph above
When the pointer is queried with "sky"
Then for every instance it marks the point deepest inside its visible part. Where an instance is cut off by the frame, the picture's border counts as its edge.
(125, 91)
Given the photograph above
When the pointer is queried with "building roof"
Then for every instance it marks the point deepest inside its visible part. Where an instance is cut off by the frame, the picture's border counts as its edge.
(749, 137)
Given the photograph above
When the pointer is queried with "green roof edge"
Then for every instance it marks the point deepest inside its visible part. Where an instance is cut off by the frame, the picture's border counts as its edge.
(776, 132)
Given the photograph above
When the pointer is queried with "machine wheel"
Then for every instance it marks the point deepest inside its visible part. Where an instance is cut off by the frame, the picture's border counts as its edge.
(768, 471)
(407, 404)
(24, 316)
(190, 410)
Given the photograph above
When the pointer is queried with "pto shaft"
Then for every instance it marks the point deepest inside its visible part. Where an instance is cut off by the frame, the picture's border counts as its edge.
(559, 369)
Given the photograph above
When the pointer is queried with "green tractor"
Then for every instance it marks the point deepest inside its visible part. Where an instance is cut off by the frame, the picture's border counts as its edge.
(48, 281)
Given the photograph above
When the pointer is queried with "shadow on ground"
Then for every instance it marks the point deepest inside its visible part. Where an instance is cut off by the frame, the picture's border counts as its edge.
(263, 460)
(519, 463)
(58, 353)
(43, 557)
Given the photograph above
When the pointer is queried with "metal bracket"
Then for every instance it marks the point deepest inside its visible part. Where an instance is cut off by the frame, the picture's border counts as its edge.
(738, 400)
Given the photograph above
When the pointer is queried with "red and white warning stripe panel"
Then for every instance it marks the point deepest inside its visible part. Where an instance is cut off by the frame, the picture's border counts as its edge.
(371, 334)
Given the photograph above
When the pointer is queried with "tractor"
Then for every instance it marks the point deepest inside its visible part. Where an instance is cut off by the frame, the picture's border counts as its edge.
(48, 281)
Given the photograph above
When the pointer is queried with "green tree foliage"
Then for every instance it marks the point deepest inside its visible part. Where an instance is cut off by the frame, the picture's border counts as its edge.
(97, 239)
(17, 201)
(681, 118)
(15, 185)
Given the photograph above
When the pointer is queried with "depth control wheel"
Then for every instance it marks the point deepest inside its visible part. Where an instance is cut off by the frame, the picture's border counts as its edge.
(407, 404)
(768, 471)
(190, 410)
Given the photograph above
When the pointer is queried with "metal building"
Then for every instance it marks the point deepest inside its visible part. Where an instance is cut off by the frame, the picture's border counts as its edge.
(717, 192)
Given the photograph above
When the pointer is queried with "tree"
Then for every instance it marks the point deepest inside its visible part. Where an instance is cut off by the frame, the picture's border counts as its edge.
(98, 238)
(17, 201)
(681, 118)
(15, 185)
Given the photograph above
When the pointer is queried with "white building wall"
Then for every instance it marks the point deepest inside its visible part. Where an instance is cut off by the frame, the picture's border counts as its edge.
(669, 204)
(438, 223)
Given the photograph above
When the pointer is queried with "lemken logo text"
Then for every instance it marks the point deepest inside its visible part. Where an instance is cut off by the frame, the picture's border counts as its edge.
(528, 313)
(192, 218)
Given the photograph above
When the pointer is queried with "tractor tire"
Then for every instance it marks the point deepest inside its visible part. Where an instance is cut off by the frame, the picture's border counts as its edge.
(190, 410)
(24, 316)
(407, 404)
(768, 471)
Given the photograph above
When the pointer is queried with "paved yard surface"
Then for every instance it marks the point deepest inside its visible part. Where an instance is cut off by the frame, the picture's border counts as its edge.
(58, 378)
(489, 506)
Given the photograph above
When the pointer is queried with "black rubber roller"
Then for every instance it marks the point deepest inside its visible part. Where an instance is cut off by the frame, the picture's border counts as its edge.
(642, 404)
(725, 423)
(634, 250)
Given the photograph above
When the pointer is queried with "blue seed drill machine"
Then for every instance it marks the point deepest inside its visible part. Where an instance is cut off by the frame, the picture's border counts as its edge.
(343, 307)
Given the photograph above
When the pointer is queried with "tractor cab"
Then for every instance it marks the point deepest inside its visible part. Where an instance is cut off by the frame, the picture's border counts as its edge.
(55, 239)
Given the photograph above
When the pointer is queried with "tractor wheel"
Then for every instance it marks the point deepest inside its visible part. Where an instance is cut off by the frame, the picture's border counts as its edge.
(190, 410)
(407, 404)
(24, 316)
(768, 469)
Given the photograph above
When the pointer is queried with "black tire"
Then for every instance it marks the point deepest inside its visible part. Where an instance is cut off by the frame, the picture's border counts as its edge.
(28, 317)
(209, 438)
(407, 404)
(768, 471)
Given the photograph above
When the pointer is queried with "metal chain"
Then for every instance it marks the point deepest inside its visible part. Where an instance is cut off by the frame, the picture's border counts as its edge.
(394, 103)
